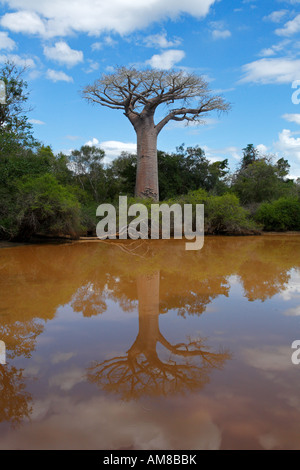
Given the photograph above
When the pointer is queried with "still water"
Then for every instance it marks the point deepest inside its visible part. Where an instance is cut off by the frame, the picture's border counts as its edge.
(143, 345)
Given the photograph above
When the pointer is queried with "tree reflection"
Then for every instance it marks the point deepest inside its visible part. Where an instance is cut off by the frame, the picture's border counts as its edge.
(89, 300)
(15, 401)
(142, 371)
(20, 339)
(158, 275)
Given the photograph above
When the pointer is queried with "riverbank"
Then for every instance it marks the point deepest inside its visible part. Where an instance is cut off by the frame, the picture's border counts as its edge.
(63, 240)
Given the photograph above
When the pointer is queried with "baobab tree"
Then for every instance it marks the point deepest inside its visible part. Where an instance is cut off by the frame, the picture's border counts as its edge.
(138, 93)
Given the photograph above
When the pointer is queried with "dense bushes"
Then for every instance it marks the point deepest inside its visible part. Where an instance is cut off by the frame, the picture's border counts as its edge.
(280, 215)
(41, 193)
(45, 206)
(223, 214)
(40, 206)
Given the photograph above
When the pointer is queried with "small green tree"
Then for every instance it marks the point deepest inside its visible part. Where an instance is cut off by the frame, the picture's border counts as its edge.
(262, 180)
(86, 164)
(15, 129)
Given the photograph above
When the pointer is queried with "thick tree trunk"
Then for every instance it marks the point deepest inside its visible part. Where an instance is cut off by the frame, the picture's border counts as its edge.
(147, 172)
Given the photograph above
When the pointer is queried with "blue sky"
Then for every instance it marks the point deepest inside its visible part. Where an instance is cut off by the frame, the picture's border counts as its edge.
(248, 50)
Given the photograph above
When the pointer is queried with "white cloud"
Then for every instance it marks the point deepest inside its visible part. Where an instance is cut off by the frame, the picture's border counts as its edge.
(292, 118)
(23, 22)
(166, 60)
(292, 290)
(6, 42)
(290, 28)
(280, 70)
(18, 60)
(37, 122)
(61, 357)
(61, 17)
(161, 40)
(93, 66)
(112, 148)
(269, 358)
(118, 424)
(93, 142)
(289, 144)
(293, 312)
(109, 68)
(219, 30)
(97, 46)
(57, 76)
(261, 148)
(221, 34)
(62, 53)
(271, 51)
(276, 16)
(107, 41)
(220, 154)
(267, 52)
(67, 380)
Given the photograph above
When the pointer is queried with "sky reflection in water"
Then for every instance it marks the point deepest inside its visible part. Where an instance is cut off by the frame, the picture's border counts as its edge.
(143, 345)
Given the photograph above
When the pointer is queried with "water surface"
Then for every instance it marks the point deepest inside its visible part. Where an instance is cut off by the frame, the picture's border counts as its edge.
(143, 345)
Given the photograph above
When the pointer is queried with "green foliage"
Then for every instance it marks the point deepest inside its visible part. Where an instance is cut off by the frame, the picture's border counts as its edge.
(15, 129)
(86, 164)
(88, 218)
(280, 215)
(186, 170)
(45, 206)
(262, 181)
(121, 175)
(198, 196)
(223, 214)
(250, 155)
(28, 163)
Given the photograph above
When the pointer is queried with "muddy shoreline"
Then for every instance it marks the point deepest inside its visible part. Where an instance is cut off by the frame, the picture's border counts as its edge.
(62, 240)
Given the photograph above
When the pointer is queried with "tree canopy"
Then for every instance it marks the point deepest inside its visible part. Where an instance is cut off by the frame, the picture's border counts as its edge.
(138, 92)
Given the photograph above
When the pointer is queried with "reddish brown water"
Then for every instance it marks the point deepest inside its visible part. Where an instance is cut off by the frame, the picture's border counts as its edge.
(144, 345)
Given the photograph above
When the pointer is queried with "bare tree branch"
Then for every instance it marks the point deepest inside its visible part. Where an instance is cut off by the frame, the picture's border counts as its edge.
(139, 93)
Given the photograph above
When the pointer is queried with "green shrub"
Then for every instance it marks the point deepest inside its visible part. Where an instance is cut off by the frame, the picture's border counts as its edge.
(88, 218)
(44, 206)
(280, 215)
(223, 214)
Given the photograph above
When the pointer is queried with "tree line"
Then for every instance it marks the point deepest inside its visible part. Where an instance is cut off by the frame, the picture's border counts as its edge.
(46, 194)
